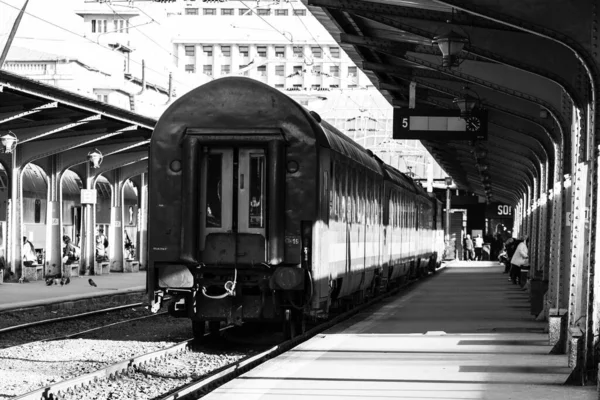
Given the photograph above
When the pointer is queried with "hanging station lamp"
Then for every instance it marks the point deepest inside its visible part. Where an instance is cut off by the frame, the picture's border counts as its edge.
(467, 102)
(95, 158)
(8, 141)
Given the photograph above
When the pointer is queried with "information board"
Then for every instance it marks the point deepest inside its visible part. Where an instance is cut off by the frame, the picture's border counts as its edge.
(435, 124)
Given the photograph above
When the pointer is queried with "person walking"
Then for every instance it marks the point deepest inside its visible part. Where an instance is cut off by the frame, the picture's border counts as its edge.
(468, 246)
(519, 262)
(478, 247)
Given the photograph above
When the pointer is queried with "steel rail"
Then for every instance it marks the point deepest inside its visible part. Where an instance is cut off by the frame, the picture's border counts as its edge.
(215, 379)
(231, 371)
(67, 317)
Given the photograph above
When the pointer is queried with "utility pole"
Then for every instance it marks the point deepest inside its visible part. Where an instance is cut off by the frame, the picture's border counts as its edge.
(447, 230)
(12, 34)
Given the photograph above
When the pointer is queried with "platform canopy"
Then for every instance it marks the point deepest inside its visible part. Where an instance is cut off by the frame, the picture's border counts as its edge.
(527, 71)
(47, 120)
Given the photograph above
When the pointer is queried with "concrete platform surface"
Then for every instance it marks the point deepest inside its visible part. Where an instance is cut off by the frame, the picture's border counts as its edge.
(36, 293)
(465, 333)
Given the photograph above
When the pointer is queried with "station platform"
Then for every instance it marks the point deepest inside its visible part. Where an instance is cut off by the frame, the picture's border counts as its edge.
(35, 293)
(465, 333)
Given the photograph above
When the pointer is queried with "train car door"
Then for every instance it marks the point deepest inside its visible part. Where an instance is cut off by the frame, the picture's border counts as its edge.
(233, 200)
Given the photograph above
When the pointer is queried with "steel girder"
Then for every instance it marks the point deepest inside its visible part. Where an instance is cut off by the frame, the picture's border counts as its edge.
(562, 48)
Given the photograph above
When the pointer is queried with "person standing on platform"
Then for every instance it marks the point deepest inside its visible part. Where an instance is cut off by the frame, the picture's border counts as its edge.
(468, 246)
(519, 261)
(478, 247)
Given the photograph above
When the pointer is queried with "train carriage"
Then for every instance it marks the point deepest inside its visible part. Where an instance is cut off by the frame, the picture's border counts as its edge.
(260, 211)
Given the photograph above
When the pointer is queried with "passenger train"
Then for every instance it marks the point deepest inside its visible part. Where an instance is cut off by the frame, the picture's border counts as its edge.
(261, 211)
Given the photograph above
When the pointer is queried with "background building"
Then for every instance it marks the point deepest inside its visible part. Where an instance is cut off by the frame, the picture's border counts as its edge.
(141, 55)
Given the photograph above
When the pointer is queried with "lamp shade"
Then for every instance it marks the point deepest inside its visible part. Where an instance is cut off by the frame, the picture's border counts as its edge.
(466, 104)
(95, 157)
(8, 142)
(450, 44)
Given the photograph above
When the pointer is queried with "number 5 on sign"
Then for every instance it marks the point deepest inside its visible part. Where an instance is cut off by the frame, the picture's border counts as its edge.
(405, 122)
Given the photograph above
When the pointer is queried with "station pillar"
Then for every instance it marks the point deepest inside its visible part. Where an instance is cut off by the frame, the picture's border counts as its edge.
(88, 219)
(54, 218)
(116, 223)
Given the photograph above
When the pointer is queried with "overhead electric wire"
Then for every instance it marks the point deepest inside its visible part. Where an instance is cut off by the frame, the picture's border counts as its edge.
(89, 40)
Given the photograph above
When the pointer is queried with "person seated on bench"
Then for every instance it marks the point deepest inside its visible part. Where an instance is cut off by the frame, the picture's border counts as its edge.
(71, 253)
(29, 256)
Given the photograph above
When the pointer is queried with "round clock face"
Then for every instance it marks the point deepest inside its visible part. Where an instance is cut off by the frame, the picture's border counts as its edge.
(473, 124)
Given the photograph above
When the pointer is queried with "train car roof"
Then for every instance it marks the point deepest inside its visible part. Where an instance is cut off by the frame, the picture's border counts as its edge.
(341, 143)
(402, 180)
(244, 103)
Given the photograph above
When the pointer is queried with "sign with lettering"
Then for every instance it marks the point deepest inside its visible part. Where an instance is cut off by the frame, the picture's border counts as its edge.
(436, 124)
(88, 196)
(497, 210)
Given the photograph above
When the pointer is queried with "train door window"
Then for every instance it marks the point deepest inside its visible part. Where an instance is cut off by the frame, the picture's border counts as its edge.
(251, 186)
(217, 193)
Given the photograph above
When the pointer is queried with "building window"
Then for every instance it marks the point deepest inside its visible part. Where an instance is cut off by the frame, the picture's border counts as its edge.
(190, 50)
(225, 69)
(227, 11)
(122, 25)
(316, 70)
(245, 73)
(316, 87)
(105, 26)
(352, 71)
(279, 70)
(279, 86)
(302, 13)
(281, 12)
(317, 52)
(298, 51)
(335, 52)
(334, 86)
(208, 50)
(226, 51)
(243, 51)
(190, 68)
(262, 70)
(245, 11)
(334, 70)
(127, 27)
(297, 69)
(105, 98)
(207, 70)
(262, 51)
(191, 11)
(263, 11)
(209, 11)
(298, 86)
(352, 86)
(93, 26)
(279, 51)
(116, 25)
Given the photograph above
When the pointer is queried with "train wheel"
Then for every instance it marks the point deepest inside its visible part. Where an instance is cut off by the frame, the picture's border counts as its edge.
(198, 329)
(214, 327)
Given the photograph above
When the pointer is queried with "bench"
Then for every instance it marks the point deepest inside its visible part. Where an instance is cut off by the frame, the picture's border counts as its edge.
(34, 273)
(131, 266)
(101, 268)
(71, 270)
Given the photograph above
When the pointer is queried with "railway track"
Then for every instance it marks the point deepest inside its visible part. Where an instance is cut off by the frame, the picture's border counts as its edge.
(22, 327)
(199, 386)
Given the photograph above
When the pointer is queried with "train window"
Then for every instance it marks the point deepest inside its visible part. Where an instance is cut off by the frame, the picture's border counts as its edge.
(213, 190)
(256, 213)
